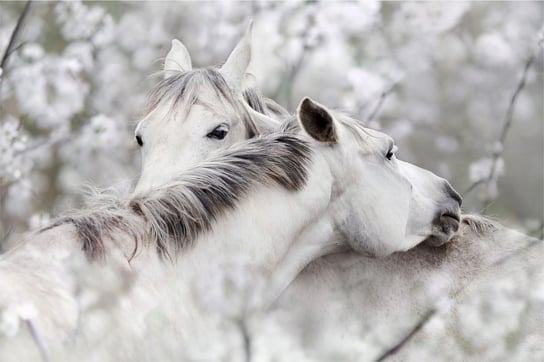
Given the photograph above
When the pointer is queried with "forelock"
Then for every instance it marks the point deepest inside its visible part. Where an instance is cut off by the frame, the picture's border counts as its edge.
(206, 87)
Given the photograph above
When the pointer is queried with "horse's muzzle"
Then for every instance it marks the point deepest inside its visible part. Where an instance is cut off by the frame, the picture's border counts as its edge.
(445, 225)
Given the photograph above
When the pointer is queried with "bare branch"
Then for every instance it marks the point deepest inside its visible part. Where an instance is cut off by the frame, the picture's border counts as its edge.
(378, 105)
(287, 82)
(14, 36)
(408, 337)
(497, 153)
(242, 326)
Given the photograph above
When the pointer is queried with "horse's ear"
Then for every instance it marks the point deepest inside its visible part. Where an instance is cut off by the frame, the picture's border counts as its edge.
(177, 59)
(317, 121)
(236, 65)
(262, 122)
(249, 81)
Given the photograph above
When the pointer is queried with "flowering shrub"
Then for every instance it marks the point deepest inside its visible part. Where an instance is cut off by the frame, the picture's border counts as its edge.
(439, 77)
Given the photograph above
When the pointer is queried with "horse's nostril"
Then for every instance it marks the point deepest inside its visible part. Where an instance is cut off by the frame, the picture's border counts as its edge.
(449, 221)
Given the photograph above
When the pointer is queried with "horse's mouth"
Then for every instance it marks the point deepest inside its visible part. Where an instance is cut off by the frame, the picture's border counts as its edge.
(456, 217)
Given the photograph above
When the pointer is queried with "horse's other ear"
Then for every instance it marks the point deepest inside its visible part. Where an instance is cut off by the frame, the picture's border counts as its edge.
(236, 65)
(249, 81)
(177, 59)
(263, 123)
(317, 121)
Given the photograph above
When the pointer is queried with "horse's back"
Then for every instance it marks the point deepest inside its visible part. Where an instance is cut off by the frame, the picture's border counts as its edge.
(353, 305)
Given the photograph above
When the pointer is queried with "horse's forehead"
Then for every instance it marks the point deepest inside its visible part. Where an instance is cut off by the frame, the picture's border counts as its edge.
(202, 114)
(374, 139)
(198, 113)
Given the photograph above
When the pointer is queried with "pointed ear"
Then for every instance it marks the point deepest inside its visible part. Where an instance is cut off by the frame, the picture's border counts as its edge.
(262, 122)
(249, 81)
(177, 59)
(236, 65)
(317, 121)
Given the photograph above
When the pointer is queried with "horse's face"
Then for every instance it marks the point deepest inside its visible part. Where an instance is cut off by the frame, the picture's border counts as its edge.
(172, 142)
(193, 113)
(381, 205)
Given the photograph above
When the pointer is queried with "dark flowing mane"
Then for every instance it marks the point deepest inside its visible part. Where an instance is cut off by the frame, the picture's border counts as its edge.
(173, 216)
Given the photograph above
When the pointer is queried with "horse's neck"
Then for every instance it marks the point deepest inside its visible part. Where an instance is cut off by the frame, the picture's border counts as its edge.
(253, 241)
(382, 299)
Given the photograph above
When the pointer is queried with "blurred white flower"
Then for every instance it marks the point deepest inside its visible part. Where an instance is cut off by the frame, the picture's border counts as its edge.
(492, 50)
(446, 144)
(428, 18)
(13, 142)
(12, 315)
(78, 20)
(481, 169)
(367, 86)
(50, 90)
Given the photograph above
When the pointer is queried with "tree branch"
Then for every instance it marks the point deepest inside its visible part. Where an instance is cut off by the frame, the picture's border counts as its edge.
(499, 149)
(377, 107)
(14, 36)
(408, 337)
(242, 326)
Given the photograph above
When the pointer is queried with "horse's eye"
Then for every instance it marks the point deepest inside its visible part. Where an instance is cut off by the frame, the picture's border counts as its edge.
(139, 140)
(391, 152)
(219, 132)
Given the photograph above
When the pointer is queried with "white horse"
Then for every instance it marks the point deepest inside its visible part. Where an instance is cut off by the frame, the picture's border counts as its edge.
(372, 293)
(193, 113)
(196, 220)
(210, 103)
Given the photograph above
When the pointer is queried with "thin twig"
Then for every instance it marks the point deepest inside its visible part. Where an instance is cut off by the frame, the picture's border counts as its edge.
(14, 35)
(408, 337)
(378, 105)
(497, 153)
(11, 44)
(472, 186)
(246, 339)
(295, 69)
(48, 142)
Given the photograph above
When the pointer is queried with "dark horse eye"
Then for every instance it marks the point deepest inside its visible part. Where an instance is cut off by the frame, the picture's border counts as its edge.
(391, 152)
(219, 132)
(139, 140)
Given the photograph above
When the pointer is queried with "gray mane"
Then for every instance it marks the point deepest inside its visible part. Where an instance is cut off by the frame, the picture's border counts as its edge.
(186, 88)
(179, 211)
(171, 217)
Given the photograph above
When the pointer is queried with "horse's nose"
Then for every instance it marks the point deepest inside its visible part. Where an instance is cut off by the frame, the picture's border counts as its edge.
(450, 192)
(449, 221)
(450, 214)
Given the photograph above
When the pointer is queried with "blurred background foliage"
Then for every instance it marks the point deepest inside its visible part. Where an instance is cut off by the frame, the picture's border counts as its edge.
(438, 77)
